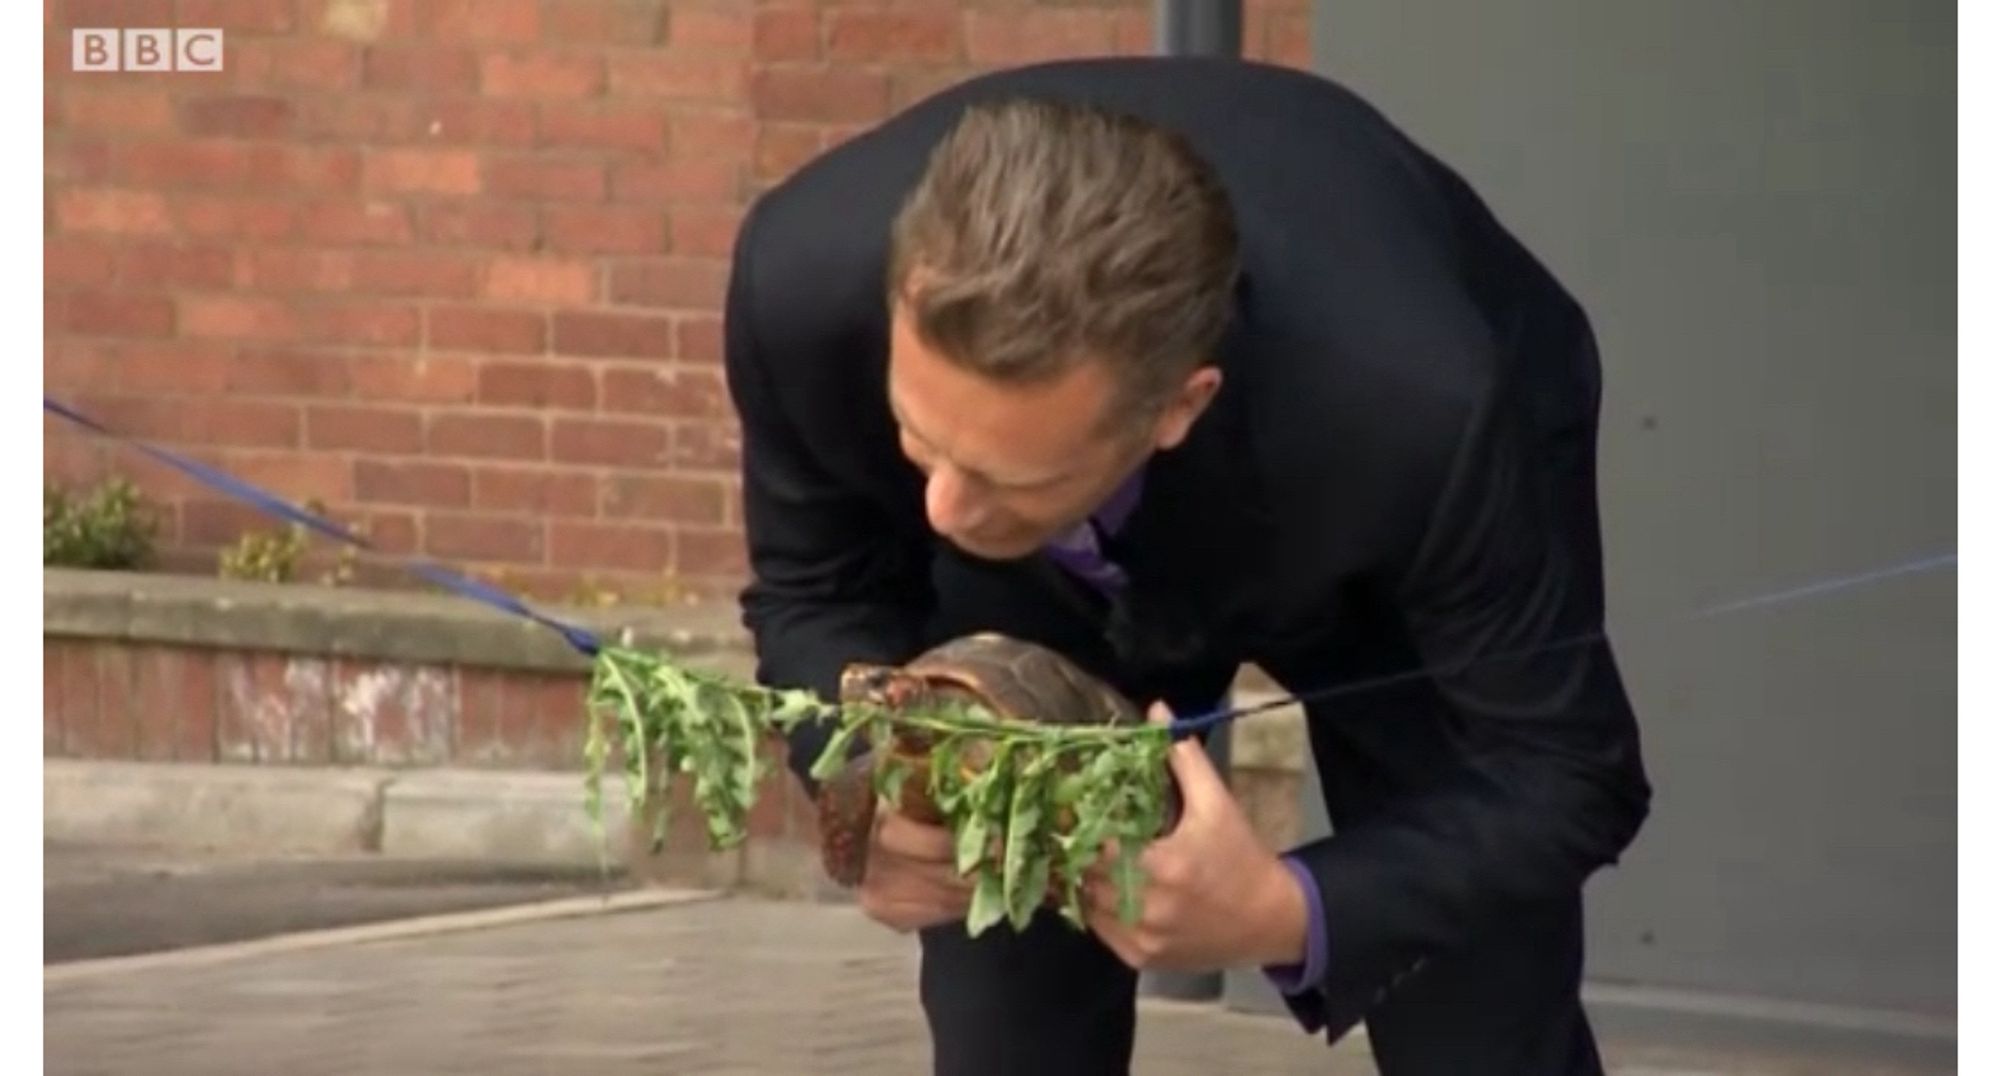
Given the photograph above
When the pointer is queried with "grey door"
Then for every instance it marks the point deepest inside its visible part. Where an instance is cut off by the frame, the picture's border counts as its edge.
(1755, 202)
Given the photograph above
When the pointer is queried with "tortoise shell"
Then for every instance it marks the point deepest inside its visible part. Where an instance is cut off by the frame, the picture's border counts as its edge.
(1015, 679)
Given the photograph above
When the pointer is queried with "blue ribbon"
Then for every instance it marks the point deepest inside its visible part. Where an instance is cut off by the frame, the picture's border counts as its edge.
(588, 644)
(582, 639)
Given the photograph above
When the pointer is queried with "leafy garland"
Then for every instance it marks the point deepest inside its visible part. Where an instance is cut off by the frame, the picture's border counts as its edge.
(1031, 805)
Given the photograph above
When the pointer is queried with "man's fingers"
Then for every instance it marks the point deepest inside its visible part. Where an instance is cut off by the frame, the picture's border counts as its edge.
(905, 836)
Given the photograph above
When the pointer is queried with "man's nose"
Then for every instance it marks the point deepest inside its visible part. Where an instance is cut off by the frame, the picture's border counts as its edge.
(950, 502)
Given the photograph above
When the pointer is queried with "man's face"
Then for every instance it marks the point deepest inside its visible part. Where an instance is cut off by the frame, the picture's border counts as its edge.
(1010, 466)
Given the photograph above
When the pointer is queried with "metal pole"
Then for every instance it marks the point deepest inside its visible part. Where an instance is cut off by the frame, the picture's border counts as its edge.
(1199, 27)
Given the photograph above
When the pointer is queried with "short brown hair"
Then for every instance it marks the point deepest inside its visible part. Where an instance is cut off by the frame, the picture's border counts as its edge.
(1044, 234)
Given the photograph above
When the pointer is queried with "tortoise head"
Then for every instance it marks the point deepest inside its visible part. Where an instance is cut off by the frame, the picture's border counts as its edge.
(887, 686)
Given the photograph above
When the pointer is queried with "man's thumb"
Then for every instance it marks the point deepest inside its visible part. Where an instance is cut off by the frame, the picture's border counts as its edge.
(1189, 761)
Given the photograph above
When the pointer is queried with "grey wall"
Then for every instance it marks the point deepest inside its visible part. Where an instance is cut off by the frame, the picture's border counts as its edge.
(1755, 201)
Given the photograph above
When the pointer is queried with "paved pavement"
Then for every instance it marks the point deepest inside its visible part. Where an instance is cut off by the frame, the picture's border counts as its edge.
(727, 987)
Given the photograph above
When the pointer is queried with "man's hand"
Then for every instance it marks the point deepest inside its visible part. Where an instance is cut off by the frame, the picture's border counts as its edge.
(1215, 895)
(912, 880)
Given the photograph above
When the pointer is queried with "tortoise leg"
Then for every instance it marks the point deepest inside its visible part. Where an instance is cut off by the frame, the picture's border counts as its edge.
(846, 812)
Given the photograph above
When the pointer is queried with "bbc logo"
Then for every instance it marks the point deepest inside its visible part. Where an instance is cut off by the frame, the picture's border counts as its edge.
(145, 50)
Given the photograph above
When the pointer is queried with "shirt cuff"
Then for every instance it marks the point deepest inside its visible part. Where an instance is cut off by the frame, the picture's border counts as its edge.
(1299, 978)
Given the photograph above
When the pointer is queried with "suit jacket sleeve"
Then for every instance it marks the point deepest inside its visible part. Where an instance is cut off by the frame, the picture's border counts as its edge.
(832, 580)
(1502, 596)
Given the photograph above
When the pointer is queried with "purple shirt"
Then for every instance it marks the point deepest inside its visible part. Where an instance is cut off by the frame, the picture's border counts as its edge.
(1079, 553)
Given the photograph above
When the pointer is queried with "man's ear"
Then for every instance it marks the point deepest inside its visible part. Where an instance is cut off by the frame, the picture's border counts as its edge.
(1186, 405)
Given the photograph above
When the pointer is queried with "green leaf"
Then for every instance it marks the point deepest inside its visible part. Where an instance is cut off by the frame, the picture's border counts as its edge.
(988, 907)
(972, 838)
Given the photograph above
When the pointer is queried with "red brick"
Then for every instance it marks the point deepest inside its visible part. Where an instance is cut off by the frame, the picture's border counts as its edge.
(118, 111)
(683, 500)
(538, 385)
(362, 119)
(433, 485)
(680, 179)
(489, 538)
(98, 690)
(600, 545)
(235, 317)
(116, 211)
(537, 492)
(345, 223)
(782, 148)
(907, 86)
(486, 22)
(234, 216)
(542, 74)
(303, 169)
(604, 230)
(699, 135)
(709, 552)
(670, 282)
(69, 261)
(178, 722)
(176, 266)
(315, 64)
(484, 123)
(710, 31)
(698, 339)
(669, 393)
(76, 160)
(825, 94)
(373, 429)
(484, 225)
(420, 274)
(414, 379)
(394, 533)
(287, 372)
(148, 366)
(1132, 32)
(420, 171)
(541, 280)
(595, 22)
(1008, 37)
(239, 423)
(273, 708)
(488, 436)
(690, 76)
(582, 333)
(205, 163)
(520, 719)
(697, 230)
(236, 116)
(95, 13)
(285, 269)
(92, 313)
(539, 177)
(484, 329)
(706, 446)
(316, 476)
(631, 130)
(1288, 40)
(368, 324)
(424, 69)
(919, 36)
(253, 16)
(611, 443)
(787, 34)
(391, 714)
(363, 20)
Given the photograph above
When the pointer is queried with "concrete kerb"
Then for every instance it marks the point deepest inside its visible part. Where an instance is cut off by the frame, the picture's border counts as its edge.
(515, 817)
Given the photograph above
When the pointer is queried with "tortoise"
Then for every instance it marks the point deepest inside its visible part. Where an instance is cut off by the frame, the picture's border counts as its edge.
(1012, 678)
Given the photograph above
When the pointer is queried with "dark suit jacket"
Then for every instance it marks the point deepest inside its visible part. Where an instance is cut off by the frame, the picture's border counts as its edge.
(1397, 473)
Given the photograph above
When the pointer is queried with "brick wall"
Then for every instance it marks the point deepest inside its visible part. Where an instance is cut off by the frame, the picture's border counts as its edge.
(453, 267)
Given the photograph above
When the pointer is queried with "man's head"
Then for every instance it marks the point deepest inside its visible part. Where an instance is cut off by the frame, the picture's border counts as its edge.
(1058, 281)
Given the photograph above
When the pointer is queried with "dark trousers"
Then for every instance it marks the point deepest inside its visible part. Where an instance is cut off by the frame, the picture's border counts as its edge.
(1053, 1001)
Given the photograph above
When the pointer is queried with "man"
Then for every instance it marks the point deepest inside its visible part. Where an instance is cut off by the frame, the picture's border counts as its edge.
(1175, 365)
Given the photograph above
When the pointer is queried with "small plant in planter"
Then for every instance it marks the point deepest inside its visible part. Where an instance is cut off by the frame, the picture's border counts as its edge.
(111, 527)
(1030, 762)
